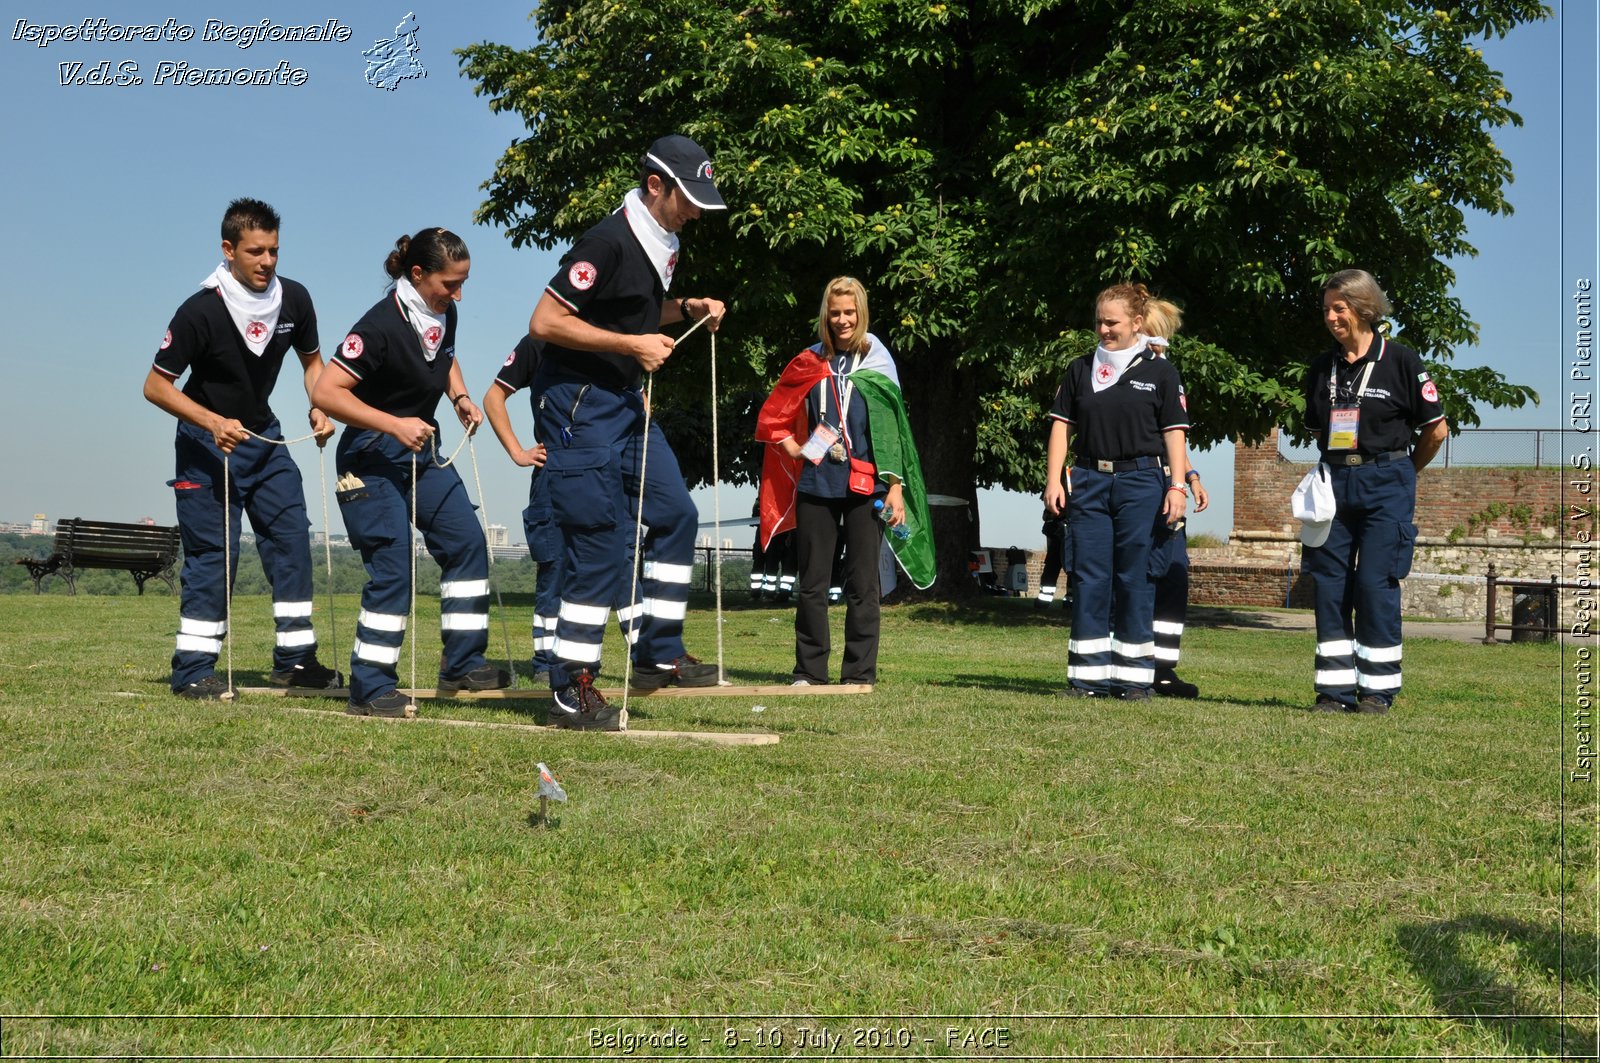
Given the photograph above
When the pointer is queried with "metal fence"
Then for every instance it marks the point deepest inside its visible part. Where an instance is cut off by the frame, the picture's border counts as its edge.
(1474, 448)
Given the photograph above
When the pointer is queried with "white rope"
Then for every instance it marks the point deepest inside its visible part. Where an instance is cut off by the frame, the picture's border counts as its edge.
(483, 512)
(327, 553)
(433, 447)
(227, 572)
(411, 548)
(638, 535)
(716, 506)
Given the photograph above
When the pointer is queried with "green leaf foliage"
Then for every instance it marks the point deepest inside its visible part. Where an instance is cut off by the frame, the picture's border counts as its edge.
(987, 167)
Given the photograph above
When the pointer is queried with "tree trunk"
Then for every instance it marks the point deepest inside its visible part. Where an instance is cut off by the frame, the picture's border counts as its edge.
(944, 421)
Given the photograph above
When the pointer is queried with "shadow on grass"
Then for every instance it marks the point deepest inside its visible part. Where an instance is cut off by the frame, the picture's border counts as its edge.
(1443, 954)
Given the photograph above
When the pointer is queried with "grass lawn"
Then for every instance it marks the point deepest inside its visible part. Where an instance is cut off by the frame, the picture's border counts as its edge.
(957, 864)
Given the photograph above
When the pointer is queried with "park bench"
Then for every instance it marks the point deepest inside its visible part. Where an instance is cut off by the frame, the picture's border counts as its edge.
(145, 550)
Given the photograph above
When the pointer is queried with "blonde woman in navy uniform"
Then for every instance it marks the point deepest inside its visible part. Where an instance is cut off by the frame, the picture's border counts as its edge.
(395, 365)
(1121, 412)
(1375, 411)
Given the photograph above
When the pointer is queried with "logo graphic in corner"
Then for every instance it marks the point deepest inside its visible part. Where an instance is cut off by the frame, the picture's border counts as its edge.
(352, 346)
(431, 337)
(1430, 392)
(1104, 373)
(705, 169)
(256, 330)
(509, 359)
(392, 61)
(166, 341)
(582, 275)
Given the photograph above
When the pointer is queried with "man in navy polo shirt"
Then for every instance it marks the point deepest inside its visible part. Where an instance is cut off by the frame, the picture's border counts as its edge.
(600, 318)
(231, 337)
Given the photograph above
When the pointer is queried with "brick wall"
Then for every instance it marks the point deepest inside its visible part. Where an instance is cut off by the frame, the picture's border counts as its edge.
(1527, 501)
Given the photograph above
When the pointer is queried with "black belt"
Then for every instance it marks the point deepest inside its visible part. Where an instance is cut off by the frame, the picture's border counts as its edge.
(1131, 465)
(1359, 459)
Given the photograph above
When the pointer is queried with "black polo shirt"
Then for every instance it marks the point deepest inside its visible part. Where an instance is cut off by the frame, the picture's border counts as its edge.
(225, 376)
(520, 367)
(1399, 398)
(393, 374)
(1125, 420)
(609, 282)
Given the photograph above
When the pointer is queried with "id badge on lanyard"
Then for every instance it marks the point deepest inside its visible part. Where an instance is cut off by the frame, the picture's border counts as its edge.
(1344, 419)
(1344, 427)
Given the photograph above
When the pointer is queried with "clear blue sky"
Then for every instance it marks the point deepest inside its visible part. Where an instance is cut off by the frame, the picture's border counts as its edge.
(116, 193)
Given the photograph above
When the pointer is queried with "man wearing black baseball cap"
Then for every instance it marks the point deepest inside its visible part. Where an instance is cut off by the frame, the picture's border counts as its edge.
(600, 318)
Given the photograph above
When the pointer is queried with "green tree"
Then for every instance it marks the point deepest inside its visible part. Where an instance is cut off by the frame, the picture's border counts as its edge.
(986, 167)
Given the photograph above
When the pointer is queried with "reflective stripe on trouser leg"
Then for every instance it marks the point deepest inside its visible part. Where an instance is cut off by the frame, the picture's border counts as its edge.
(203, 602)
(378, 522)
(1089, 664)
(1134, 496)
(454, 538)
(274, 497)
(1328, 565)
(1378, 670)
(669, 516)
(1169, 565)
(1047, 593)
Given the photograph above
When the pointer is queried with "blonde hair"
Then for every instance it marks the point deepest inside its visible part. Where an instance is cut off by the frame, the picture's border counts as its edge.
(839, 287)
(1358, 288)
(1162, 318)
(1133, 296)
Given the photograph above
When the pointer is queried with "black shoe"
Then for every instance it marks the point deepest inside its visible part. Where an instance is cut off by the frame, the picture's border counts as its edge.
(212, 688)
(1168, 685)
(686, 671)
(578, 706)
(313, 676)
(1136, 694)
(1371, 705)
(1328, 703)
(393, 705)
(485, 677)
(1079, 692)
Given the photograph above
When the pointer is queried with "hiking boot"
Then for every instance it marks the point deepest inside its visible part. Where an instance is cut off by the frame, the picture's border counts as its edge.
(312, 676)
(1328, 703)
(1168, 685)
(485, 677)
(686, 671)
(393, 705)
(1371, 705)
(578, 706)
(212, 688)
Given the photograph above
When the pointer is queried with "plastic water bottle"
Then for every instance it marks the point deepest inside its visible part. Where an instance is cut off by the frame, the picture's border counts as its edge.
(901, 532)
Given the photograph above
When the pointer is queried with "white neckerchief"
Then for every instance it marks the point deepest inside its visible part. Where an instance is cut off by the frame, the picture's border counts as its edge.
(660, 246)
(255, 314)
(1110, 365)
(428, 325)
(1154, 342)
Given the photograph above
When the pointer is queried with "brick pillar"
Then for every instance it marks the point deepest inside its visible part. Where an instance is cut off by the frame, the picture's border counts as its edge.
(1262, 482)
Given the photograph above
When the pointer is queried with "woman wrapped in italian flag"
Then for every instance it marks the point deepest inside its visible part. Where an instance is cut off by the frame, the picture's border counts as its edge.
(840, 455)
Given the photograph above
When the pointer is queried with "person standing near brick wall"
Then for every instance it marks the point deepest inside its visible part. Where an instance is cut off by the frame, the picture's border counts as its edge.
(1375, 412)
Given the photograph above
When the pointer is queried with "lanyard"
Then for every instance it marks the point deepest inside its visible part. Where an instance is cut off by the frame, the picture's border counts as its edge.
(1361, 388)
(841, 400)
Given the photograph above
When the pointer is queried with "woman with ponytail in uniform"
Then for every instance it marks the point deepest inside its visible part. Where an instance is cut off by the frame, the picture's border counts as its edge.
(396, 363)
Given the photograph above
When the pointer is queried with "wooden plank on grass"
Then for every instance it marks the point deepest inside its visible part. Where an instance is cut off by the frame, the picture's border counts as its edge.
(716, 738)
(614, 694)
